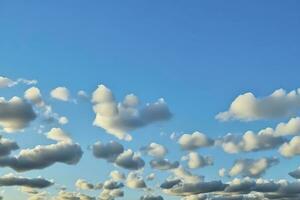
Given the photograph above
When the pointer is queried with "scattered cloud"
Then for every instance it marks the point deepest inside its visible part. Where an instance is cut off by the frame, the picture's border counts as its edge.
(58, 135)
(109, 151)
(43, 156)
(60, 93)
(7, 82)
(120, 118)
(247, 107)
(252, 167)
(296, 173)
(291, 148)
(155, 150)
(196, 160)
(12, 180)
(194, 141)
(163, 164)
(129, 160)
(134, 181)
(15, 114)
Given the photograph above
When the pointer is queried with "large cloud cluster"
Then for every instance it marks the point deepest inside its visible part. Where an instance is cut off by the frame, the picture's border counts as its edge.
(120, 118)
(237, 189)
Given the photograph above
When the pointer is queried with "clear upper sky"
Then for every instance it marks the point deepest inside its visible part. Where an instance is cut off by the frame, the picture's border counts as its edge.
(197, 55)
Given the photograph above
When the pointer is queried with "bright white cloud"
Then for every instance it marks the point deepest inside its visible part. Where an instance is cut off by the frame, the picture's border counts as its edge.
(155, 150)
(196, 160)
(247, 107)
(120, 118)
(291, 148)
(58, 135)
(60, 93)
(194, 141)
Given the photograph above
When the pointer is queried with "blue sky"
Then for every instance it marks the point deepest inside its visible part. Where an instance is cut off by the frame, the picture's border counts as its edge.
(197, 55)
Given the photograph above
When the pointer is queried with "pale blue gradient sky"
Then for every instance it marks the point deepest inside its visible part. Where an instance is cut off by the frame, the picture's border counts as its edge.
(197, 55)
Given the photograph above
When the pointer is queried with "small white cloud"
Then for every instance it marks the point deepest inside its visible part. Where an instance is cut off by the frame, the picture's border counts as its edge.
(60, 93)
(59, 135)
(194, 141)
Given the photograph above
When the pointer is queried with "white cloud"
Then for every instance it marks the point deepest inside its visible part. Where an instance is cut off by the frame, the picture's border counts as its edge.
(130, 160)
(41, 157)
(120, 118)
(117, 176)
(194, 141)
(109, 151)
(291, 148)
(83, 185)
(15, 114)
(134, 180)
(155, 150)
(186, 176)
(250, 141)
(196, 160)
(58, 135)
(63, 120)
(7, 82)
(247, 107)
(60, 93)
(13, 180)
(252, 167)
(33, 94)
(163, 164)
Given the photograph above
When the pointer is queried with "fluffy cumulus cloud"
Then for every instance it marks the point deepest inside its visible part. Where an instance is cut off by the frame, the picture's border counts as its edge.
(58, 135)
(247, 107)
(163, 164)
(252, 167)
(109, 151)
(60, 93)
(249, 141)
(83, 185)
(107, 194)
(117, 176)
(194, 141)
(34, 95)
(291, 148)
(43, 156)
(13, 180)
(120, 118)
(155, 150)
(15, 114)
(186, 176)
(129, 160)
(135, 180)
(195, 160)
